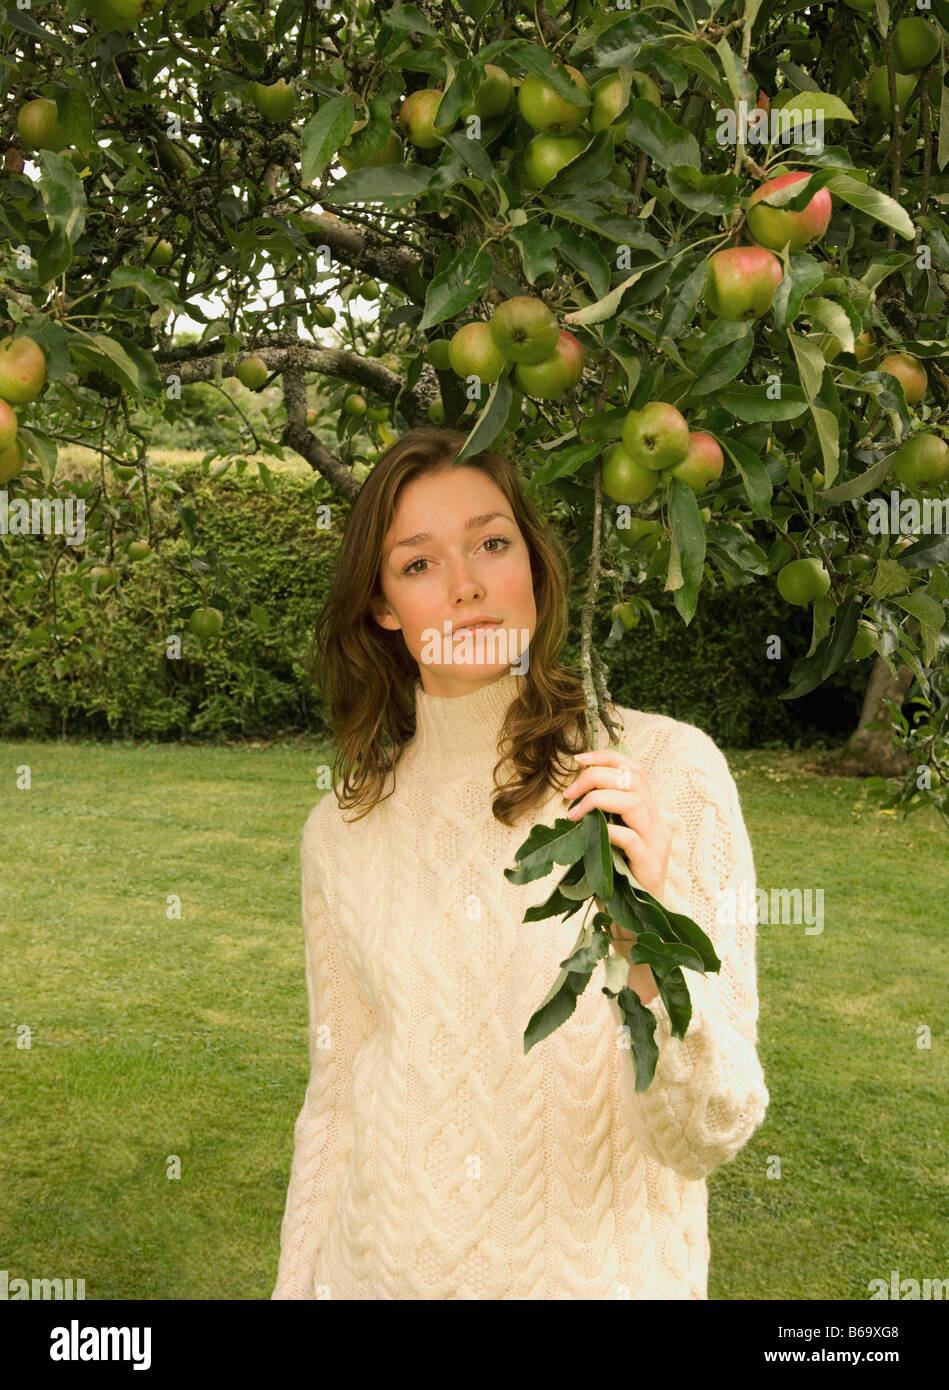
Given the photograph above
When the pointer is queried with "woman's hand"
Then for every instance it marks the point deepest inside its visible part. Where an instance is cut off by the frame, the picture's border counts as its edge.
(614, 781)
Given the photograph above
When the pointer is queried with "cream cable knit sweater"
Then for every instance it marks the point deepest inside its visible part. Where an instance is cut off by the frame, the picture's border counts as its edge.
(432, 1158)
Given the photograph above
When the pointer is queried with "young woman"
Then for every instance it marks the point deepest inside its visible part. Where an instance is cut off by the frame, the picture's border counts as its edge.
(432, 1158)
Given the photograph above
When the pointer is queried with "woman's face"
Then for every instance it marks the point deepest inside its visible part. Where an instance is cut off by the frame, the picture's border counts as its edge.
(433, 586)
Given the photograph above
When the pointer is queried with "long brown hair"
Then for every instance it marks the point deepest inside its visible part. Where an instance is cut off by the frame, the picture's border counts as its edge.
(367, 674)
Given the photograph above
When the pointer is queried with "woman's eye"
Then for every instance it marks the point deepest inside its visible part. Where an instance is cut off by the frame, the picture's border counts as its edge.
(505, 543)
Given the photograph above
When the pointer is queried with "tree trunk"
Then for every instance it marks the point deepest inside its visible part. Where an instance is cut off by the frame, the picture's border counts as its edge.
(870, 752)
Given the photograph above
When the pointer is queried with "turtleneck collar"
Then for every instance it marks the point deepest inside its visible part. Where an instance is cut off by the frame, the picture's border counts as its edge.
(452, 734)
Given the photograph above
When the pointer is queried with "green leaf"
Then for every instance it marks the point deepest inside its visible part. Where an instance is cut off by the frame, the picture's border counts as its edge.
(889, 577)
(396, 183)
(835, 319)
(597, 856)
(459, 284)
(807, 673)
(753, 404)
(726, 362)
(541, 63)
(64, 197)
(714, 194)
(564, 842)
(654, 131)
(641, 1023)
(875, 204)
(589, 949)
(688, 547)
(562, 462)
(105, 353)
(929, 553)
(754, 475)
(651, 950)
(830, 107)
(802, 275)
(692, 935)
(619, 44)
(858, 487)
(845, 630)
(157, 288)
(611, 304)
(924, 607)
(408, 18)
(75, 115)
(492, 422)
(17, 19)
(323, 136)
(811, 365)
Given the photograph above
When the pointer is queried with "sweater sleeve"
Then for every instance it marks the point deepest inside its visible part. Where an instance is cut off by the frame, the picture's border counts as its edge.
(339, 1022)
(708, 1095)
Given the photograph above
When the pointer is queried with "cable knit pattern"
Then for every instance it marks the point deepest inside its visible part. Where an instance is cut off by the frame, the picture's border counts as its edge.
(433, 1159)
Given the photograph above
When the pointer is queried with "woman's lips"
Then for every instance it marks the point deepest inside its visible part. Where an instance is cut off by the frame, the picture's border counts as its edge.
(473, 628)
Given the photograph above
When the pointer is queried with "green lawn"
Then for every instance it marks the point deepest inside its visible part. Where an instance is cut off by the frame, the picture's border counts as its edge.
(156, 1039)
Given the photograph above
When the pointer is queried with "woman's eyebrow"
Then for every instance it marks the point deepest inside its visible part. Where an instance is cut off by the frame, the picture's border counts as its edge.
(471, 524)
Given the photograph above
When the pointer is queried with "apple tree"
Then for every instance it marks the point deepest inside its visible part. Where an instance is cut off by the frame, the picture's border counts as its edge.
(686, 264)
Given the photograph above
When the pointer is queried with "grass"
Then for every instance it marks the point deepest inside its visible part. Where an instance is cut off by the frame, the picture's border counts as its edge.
(77, 463)
(147, 1131)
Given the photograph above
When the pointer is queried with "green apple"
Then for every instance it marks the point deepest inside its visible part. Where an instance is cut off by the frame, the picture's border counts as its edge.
(550, 378)
(473, 352)
(608, 102)
(624, 480)
(802, 581)
(355, 404)
(862, 643)
(417, 117)
(103, 577)
(22, 370)
(158, 251)
(922, 460)
(116, 14)
(206, 623)
(524, 329)
(252, 372)
(741, 282)
(546, 155)
(8, 426)
(657, 436)
(324, 315)
(495, 94)
(628, 614)
(12, 460)
(38, 125)
(548, 113)
(775, 227)
(909, 372)
(915, 43)
(438, 354)
(138, 550)
(436, 412)
(391, 153)
(864, 346)
(645, 89)
(276, 102)
(701, 464)
(878, 92)
(639, 532)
